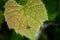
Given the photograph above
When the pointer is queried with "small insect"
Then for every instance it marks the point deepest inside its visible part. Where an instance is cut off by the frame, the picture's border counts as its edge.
(25, 19)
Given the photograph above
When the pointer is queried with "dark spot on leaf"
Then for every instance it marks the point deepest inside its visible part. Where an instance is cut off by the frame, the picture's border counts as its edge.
(28, 27)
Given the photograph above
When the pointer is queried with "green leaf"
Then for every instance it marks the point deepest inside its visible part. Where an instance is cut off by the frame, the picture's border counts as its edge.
(52, 16)
(16, 36)
(2, 3)
(1, 17)
(51, 6)
(21, 2)
(26, 19)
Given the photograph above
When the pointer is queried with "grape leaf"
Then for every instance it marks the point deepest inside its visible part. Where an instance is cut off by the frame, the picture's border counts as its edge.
(25, 19)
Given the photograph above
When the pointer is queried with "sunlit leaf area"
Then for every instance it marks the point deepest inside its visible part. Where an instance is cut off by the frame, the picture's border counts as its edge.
(50, 29)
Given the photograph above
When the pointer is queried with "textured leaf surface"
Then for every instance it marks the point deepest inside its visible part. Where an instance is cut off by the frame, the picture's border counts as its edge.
(26, 19)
